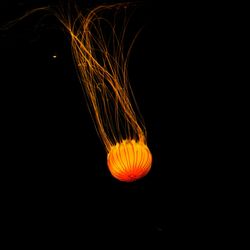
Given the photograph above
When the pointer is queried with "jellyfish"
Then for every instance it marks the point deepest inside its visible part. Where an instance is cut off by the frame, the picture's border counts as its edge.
(98, 49)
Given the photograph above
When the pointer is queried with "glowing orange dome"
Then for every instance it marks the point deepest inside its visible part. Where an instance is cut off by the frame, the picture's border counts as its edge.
(129, 160)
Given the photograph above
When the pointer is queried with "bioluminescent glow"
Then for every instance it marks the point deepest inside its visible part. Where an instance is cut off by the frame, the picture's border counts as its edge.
(101, 53)
(102, 64)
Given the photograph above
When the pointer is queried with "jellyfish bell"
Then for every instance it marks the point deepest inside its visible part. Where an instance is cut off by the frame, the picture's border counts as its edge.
(129, 160)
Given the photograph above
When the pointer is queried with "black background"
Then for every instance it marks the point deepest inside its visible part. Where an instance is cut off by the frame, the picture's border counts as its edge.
(56, 182)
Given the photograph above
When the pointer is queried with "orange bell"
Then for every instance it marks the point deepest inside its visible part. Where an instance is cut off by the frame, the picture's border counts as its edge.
(129, 160)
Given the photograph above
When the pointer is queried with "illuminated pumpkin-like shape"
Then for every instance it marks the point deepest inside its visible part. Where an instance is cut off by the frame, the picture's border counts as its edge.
(129, 160)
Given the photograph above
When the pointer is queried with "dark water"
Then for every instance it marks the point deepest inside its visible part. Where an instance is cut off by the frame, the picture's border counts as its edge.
(55, 178)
